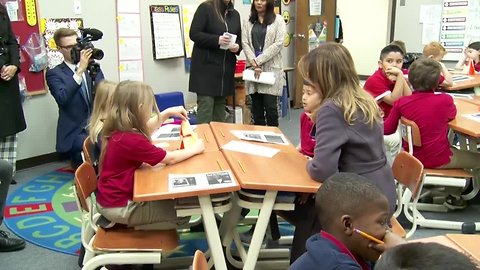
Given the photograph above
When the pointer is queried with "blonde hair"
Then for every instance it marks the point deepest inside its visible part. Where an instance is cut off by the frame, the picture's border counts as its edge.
(330, 69)
(127, 111)
(434, 48)
(101, 106)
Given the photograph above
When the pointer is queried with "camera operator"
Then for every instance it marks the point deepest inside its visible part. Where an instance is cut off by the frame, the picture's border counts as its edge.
(71, 86)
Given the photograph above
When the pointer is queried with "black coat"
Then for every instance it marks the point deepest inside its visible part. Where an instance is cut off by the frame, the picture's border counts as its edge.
(212, 69)
(12, 119)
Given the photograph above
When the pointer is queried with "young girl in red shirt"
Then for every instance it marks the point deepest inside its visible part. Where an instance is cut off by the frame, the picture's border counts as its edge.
(126, 146)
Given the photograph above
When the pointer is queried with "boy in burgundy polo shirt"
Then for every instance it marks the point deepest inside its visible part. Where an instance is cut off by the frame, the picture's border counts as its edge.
(432, 112)
(346, 203)
(387, 85)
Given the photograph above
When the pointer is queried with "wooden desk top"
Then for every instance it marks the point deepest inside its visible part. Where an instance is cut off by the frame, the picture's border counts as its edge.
(465, 84)
(151, 183)
(468, 243)
(222, 134)
(204, 132)
(286, 171)
(463, 124)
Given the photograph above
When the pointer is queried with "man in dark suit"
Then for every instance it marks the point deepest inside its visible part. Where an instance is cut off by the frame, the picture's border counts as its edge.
(71, 85)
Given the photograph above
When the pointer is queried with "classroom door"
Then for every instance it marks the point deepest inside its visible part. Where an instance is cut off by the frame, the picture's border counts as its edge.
(304, 22)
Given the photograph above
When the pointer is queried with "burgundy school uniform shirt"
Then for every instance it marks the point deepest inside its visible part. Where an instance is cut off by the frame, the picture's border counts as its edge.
(431, 112)
(126, 152)
(307, 141)
(378, 85)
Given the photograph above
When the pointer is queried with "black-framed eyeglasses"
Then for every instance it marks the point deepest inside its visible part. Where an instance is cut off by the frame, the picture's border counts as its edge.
(69, 47)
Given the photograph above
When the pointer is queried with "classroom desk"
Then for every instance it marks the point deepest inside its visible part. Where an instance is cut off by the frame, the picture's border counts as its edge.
(474, 82)
(286, 171)
(465, 243)
(203, 131)
(222, 134)
(151, 184)
(463, 124)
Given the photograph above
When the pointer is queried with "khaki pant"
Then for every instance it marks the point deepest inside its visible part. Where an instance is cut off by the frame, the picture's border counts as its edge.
(211, 109)
(393, 146)
(154, 215)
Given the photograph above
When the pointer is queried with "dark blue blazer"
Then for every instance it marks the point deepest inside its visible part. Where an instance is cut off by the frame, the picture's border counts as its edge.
(73, 107)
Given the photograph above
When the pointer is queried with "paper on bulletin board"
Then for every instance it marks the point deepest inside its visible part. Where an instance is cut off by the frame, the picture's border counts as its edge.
(188, 11)
(128, 25)
(430, 32)
(128, 6)
(130, 48)
(167, 31)
(131, 70)
(430, 13)
(315, 7)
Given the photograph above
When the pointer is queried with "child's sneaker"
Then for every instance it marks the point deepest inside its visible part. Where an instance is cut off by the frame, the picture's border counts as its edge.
(455, 203)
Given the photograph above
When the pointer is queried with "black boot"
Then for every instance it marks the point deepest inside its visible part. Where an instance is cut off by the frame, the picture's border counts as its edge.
(10, 244)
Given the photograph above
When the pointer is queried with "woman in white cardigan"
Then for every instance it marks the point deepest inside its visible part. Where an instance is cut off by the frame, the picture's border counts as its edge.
(262, 39)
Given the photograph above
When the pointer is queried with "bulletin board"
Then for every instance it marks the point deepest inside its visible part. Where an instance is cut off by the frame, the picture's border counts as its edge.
(166, 31)
(34, 81)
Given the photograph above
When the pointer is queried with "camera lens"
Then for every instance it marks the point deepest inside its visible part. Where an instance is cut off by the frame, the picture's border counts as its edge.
(97, 54)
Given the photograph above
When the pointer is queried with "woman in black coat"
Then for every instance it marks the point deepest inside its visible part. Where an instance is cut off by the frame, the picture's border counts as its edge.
(12, 119)
(212, 68)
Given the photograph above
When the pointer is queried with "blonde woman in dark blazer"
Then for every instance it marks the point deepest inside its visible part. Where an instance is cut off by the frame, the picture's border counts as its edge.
(262, 41)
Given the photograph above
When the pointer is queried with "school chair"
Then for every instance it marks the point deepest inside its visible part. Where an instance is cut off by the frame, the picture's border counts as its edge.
(440, 178)
(87, 150)
(199, 261)
(172, 99)
(118, 245)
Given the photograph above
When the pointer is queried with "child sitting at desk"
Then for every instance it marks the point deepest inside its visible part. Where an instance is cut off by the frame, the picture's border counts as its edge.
(125, 147)
(422, 107)
(311, 101)
(386, 85)
(354, 214)
(436, 51)
(420, 256)
(471, 53)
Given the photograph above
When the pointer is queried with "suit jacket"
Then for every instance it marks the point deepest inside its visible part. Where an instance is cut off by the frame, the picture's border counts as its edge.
(12, 119)
(74, 107)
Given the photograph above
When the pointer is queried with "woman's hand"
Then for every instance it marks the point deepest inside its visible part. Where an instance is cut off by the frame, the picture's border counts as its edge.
(224, 40)
(234, 48)
(258, 71)
(7, 72)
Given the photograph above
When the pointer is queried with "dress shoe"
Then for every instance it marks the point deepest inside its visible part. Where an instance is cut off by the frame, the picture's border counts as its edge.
(13, 182)
(10, 244)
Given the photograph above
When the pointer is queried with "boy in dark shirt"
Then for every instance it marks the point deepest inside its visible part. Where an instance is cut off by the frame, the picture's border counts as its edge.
(348, 206)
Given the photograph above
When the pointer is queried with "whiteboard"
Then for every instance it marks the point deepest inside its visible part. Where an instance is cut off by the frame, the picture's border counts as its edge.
(166, 31)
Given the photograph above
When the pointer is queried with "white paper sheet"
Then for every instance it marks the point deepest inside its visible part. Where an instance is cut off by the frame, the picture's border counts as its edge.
(129, 25)
(211, 180)
(430, 13)
(128, 6)
(131, 70)
(250, 148)
(460, 78)
(265, 77)
(167, 133)
(473, 116)
(430, 32)
(260, 136)
(233, 38)
(130, 48)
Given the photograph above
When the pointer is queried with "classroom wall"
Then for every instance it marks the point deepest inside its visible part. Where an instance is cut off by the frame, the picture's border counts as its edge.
(41, 111)
(366, 30)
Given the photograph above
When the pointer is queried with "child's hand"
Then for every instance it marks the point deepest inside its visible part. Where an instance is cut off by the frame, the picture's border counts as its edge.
(178, 111)
(393, 73)
(199, 147)
(390, 240)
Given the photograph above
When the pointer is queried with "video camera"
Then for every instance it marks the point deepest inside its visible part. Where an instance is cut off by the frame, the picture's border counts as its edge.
(85, 42)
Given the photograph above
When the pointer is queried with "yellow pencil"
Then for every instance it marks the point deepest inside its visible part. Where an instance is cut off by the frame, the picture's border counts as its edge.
(221, 132)
(219, 165)
(205, 135)
(241, 166)
(368, 236)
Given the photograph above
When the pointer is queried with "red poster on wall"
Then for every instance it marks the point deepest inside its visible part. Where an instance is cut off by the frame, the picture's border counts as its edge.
(25, 23)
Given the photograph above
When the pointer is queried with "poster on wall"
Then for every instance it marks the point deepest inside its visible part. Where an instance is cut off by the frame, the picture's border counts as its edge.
(48, 28)
(188, 11)
(166, 32)
(460, 26)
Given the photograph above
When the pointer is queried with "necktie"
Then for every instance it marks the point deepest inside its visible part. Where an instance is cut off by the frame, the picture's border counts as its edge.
(83, 85)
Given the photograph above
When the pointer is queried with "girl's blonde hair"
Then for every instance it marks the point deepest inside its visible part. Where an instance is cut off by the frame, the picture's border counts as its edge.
(330, 69)
(101, 106)
(129, 103)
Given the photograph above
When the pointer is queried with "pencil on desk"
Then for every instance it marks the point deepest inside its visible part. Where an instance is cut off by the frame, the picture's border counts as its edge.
(219, 165)
(368, 236)
(221, 132)
(241, 166)
(206, 138)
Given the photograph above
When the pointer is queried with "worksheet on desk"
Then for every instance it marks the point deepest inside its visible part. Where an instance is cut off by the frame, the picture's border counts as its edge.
(460, 78)
(185, 182)
(260, 136)
(473, 116)
(250, 148)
